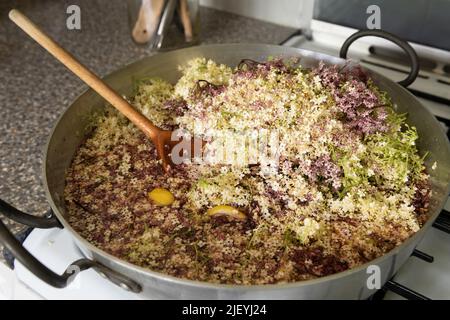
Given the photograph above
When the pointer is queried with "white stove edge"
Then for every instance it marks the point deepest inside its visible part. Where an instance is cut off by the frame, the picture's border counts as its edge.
(56, 245)
(13, 289)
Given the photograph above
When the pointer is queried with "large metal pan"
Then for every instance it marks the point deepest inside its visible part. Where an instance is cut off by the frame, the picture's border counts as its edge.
(70, 130)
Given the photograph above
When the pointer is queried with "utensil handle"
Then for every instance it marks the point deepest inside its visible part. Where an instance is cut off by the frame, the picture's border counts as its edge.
(40, 270)
(91, 79)
(388, 36)
(164, 22)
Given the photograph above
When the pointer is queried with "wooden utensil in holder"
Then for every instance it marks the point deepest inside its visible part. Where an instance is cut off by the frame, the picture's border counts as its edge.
(162, 139)
(154, 17)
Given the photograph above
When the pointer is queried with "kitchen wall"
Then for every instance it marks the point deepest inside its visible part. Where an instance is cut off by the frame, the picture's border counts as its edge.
(290, 13)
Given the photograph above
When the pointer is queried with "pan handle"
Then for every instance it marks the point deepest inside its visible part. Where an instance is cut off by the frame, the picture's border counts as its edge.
(414, 60)
(46, 222)
(40, 270)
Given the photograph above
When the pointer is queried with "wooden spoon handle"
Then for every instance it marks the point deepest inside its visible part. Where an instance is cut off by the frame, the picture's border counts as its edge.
(84, 74)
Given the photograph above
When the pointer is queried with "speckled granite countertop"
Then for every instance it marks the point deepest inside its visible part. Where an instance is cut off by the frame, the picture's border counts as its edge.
(35, 89)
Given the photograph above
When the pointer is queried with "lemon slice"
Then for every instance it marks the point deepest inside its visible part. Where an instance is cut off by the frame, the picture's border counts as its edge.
(161, 197)
(228, 211)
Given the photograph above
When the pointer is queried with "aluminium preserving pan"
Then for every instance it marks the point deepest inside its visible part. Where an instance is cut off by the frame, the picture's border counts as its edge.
(69, 132)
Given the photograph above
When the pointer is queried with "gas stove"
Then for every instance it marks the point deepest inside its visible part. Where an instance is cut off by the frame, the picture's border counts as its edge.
(425, 275)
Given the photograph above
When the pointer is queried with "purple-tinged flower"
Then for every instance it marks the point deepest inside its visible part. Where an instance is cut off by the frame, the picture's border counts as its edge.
(323, 167)
(360, 106)
(177, 106)
(207, 88)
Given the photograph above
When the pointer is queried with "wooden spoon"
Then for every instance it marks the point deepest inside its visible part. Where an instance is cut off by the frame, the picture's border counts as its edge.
(161, 138)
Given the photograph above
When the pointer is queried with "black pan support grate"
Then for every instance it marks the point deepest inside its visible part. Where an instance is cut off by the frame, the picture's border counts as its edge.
(443, 221)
